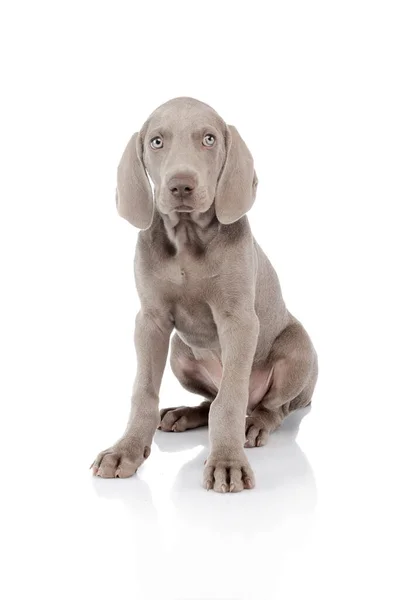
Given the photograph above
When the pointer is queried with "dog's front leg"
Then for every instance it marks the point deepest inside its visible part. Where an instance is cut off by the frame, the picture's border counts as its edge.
(152, 333)
(227, 468)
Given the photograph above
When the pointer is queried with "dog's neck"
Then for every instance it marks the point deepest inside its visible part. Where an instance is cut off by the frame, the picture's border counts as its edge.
(191, 231)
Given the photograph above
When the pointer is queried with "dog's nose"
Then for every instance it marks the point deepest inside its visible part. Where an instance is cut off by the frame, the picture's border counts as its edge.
(182, 185)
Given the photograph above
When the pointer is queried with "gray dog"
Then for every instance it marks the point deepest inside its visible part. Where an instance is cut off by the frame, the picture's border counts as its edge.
(199, 271)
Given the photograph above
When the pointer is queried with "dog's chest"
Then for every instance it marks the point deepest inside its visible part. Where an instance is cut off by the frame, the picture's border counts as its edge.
(195, 324)
(188, 297)
(188, 273)
(179, 274)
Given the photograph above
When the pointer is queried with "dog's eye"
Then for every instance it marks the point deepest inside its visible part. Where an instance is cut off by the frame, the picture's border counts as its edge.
(208, 140)
(156, 143)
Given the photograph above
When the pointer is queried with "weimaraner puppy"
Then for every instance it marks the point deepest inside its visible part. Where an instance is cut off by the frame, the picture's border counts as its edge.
(199, 270)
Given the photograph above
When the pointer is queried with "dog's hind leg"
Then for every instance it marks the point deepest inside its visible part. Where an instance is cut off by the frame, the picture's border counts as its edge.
(294, 366)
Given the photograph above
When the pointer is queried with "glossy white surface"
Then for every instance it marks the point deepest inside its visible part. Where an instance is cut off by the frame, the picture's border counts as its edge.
(320, 522)
(313, 88)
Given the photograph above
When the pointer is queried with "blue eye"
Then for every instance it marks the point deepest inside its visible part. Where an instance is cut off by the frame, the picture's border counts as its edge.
(208, 140)
(156, 143)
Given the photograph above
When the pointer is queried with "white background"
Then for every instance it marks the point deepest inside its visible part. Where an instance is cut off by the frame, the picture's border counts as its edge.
(313, 88)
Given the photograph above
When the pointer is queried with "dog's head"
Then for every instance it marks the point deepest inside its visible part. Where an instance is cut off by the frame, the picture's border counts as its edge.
(193, 159)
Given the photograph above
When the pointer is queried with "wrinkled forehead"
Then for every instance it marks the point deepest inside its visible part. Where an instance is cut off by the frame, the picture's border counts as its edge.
(182, 116)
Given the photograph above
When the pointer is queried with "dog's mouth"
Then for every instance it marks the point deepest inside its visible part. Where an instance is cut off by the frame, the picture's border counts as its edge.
(190, 203)
(183, 208)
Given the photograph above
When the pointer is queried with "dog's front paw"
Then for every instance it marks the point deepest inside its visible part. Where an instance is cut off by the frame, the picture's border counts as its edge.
(121, 460)
(225, 473)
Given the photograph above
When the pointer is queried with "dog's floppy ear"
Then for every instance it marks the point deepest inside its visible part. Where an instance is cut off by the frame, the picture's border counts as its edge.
(134, 197)
(236, 189)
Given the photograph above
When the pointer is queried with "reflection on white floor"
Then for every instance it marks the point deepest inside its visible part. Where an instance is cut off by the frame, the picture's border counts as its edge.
(205, 545)
(319, 524)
